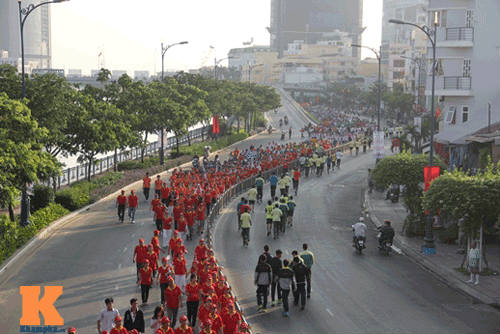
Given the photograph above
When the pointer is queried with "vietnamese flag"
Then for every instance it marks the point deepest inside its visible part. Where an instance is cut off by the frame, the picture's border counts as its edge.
(215, 125)
(438, 112)
(430, 174)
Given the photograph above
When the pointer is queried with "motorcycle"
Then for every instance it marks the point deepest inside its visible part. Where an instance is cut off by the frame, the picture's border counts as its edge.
(359, 244)
(386, 246)
(269, 129)
(281, 122)
(393, 195)
(286, 120)
(282, 136)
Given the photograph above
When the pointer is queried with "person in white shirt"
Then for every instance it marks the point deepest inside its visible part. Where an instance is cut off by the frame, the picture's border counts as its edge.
(105, 320)
(359, 230)
(473, 263)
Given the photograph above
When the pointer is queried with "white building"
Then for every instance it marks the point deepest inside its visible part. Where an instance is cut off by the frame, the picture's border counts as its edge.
(468, 71)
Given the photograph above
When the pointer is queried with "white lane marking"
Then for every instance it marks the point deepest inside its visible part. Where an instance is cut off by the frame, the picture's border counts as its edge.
(119, 266)
(396, 249)
(329, 312)
(125, 249)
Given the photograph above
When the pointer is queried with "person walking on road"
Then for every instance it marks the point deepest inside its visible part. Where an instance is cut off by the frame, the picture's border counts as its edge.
(183, 327)
(134, 318)
(269, 217)
(285, 283)
(284, 216)
(276, 266)
(173, 300)
(282, 184)
(132, 206)
(273, 182)
(473, 263)
(246, 223)
(252, 197)
(118, 329)
(308, 258)
(262, 280)
(291, 209)
(259, 185)
(193, 299)
(146, 186)
(164, 272)
(146, 274)
(140, 256)
(277, 213)
(107, 316)
(165, 327)
(296, 178)
(155, 321)
(300, 273)
(121, 203)
(158, 184)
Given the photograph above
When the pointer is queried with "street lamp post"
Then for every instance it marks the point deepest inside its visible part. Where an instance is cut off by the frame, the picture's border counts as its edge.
(429, 235)
(23, 15)
(217, 62)
(163, 51)
(378, 54)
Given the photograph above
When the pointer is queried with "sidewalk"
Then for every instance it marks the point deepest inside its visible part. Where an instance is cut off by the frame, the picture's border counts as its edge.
(446, 259)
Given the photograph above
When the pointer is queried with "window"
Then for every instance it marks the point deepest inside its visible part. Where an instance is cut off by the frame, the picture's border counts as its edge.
(466, 68)
(398, 75)
(450, 115)
(399, 63)
(465, 114)
(469, 19)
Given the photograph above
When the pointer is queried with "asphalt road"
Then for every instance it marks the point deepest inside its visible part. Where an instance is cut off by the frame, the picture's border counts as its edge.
(351, 293)
(91, 257)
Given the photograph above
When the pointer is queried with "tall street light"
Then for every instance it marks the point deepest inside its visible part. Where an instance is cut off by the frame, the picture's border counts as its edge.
(217, 62)
(23, 15)
(164, 49)
(429, 235)
(378, 54)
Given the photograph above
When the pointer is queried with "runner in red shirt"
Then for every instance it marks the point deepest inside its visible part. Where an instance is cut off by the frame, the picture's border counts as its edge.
(132, 206)
(204, 310)
(121, 203)
(165, 193)
(153, 259)
(164, 272)
(155, 242)
(206, 328)
(146, 274)
(146, 185)
(166, 233)
(200, 252)
(118, 329)
(216, 319)
(231, 320)
(180, 271)
(159, 211)
(158, 184)
(200, 216)
(165, 327)
(140, 256)
(190, 222)
(183, 327)
(192, 291)
(173, 299)
(295, 180)
(181, 226)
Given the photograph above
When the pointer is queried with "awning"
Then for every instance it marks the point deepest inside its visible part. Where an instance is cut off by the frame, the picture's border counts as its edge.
(457, 135)
(480, 139)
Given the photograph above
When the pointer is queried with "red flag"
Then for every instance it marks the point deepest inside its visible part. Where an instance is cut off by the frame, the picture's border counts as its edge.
(438, 112)
(215, 125)
(430, 174)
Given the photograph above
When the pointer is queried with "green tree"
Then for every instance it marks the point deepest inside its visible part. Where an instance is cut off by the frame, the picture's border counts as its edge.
(407, 170)
(22, 158)
(96, 129)
(10, 81)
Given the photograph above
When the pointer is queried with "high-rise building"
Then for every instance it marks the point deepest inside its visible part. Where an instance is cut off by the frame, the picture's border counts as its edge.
(400, 43)
(309, 20)
(37, 44)
(468, 72)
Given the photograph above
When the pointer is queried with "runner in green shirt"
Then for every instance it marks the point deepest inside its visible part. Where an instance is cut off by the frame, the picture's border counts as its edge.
(269, 217)
(276, 213)
(252, 196)
(246, 222)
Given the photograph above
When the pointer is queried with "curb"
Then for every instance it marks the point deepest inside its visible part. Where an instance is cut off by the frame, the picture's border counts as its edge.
(445, 275)
(46, 232)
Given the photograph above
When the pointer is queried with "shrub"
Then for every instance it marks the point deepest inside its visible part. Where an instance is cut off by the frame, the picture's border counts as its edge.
(73, 198)
(43, 196)
(13, 236)
(137, 164)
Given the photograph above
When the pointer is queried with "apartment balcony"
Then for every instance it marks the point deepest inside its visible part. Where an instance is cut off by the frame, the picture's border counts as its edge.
(451, 86)
(460, 37)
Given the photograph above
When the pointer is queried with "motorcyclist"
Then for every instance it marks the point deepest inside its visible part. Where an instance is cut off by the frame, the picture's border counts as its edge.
(359, 231)
(290, 133)
(269, 129)
(386, 233)
(281, 122)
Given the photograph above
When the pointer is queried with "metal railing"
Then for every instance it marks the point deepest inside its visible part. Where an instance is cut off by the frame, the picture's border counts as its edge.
(80, 172)
(460, 34)
(457, 83)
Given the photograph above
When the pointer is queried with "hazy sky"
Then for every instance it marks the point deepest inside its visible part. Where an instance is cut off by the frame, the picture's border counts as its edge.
(129, 32)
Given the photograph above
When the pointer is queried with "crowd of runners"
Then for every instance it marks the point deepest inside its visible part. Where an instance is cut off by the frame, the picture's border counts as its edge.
(180, 206)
